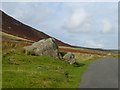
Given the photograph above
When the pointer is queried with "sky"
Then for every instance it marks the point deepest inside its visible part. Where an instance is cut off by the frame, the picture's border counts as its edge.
(86, 24)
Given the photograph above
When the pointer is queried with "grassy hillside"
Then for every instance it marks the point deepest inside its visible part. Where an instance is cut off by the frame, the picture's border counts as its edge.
(26, 71)
(9, 37)
(89, 52)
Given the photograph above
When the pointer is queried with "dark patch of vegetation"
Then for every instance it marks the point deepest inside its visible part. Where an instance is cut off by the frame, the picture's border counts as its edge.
(62, 53)
(76, 64)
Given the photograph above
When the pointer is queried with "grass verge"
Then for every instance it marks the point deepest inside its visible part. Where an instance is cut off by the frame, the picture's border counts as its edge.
(26, 71)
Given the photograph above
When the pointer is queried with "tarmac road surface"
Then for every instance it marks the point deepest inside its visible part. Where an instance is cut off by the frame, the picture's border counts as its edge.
(102, 73)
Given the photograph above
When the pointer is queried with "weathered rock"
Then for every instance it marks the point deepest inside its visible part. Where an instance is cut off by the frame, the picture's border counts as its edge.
(46, 47)
(29, 50)
(69, 57)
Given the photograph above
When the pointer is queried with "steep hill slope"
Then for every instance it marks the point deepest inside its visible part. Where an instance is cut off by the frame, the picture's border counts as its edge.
(14, 27)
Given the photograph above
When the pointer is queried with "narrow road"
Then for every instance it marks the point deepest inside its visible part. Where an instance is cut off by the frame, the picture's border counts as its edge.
(101, 74)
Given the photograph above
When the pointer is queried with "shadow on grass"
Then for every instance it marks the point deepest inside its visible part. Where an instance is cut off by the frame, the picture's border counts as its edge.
(78, 64)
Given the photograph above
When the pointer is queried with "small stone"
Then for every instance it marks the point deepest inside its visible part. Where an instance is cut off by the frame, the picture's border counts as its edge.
(69, 57)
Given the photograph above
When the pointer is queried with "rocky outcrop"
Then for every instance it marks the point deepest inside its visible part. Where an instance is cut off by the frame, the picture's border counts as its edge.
(46, 47)
(69, 57)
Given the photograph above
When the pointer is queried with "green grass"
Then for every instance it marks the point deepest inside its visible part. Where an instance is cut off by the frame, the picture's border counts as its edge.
(26, 71)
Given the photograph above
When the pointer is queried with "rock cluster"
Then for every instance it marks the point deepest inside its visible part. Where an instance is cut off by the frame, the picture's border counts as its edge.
(48, 47)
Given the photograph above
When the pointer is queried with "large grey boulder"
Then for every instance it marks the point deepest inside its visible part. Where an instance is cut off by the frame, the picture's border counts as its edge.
(69, 57)
(46, 47)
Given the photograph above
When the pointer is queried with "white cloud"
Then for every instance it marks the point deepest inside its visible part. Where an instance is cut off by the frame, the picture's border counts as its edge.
(30, 13)
(107, 27)
(78, 19)
(26, 15)
(85, 17)
(93, 44)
